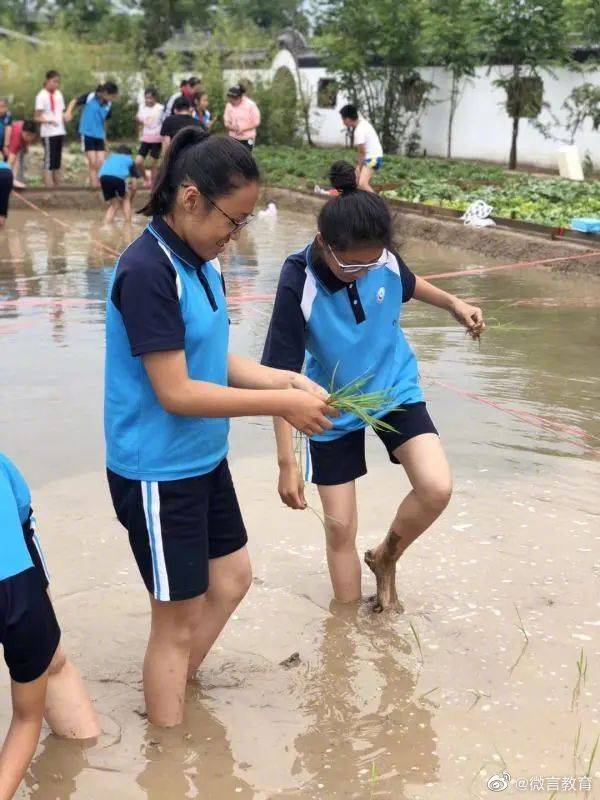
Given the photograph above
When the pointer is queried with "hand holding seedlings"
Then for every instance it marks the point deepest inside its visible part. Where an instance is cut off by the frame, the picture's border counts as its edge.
(469, 316)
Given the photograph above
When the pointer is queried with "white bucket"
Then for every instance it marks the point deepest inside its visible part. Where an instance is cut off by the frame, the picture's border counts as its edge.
(569, 163)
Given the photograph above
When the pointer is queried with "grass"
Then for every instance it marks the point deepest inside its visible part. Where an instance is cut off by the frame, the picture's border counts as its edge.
(582, 665)
(446, 183)
(521, 627)
(418, 641)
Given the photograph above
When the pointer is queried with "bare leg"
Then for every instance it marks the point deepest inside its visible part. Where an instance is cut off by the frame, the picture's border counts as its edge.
(56, 177)
(153, 169)
(24, 733)
(183, 631)
(127, 208)
(229, 580)
(167, 657)
(341, 524)
(2, 223)
(69, 710)
(429, 474)
(90, 157)
(139, 162)
(48, 179)
(111, 211)
(364, 179)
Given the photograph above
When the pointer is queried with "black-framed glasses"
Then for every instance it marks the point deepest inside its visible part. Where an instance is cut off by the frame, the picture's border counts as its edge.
(237, 226)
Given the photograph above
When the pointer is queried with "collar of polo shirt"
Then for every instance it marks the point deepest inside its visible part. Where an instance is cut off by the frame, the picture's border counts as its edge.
(176, 244)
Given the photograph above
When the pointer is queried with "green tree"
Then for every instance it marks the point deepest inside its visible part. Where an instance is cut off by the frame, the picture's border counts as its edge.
(374, 47)
(269, 14)
(525, 35)
(453, 34)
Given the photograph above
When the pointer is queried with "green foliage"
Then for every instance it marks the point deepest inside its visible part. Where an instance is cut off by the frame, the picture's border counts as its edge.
(582, 104)
(372, 47)
(269, 14)
(440, 182)
(279, 109)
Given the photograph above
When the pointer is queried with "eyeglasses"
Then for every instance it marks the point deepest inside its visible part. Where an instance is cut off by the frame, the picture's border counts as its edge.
(237, 226)
(381, 261)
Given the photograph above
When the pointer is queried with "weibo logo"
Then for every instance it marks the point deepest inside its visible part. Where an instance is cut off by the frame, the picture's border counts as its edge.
(380, 294)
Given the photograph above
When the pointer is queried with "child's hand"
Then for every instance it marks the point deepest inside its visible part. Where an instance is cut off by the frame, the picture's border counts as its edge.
(299, 381)
(469, 316)
(291, 486)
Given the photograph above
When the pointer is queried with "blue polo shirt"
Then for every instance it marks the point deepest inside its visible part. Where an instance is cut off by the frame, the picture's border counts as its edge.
(93, 116)
(15, 505)
(119, 165)
(344, 331)
(162, 296)
(5, 165)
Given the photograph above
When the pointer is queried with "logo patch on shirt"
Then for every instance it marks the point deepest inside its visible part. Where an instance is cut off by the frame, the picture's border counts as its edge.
(380, 294)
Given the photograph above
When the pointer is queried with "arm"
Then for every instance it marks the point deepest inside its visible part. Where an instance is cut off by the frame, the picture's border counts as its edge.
(469, 316)
(227, 121)
(247, 374)
(291, 480)
(28, 700)
(362, 154)
(68, 115)
(179, 394)
(7, 132)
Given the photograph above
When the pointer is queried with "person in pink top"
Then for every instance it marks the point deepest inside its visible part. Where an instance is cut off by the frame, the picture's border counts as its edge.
(242, 116)
(149, 119)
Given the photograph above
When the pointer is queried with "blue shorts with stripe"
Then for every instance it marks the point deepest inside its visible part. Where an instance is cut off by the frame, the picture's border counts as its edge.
(29, 631)
(176, 527)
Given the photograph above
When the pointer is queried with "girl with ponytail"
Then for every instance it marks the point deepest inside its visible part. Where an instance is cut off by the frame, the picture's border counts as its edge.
(340, 300)
(170, 388)
(95, 110)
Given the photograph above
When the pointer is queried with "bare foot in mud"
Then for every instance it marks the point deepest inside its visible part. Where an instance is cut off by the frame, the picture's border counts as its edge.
(384, 570)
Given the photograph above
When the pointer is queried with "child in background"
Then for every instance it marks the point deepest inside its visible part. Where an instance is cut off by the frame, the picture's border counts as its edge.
(242, 116)
(201, 112)
(118, 176)
(5, 126)
(6, 187)
(49, 110)
(96, 108)
(43, 681)
(340, 301)
(22, 134)
(150, 118)
(180, 118)
(366, 140)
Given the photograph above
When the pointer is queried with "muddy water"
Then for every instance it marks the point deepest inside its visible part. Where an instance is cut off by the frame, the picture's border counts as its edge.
(427, 704)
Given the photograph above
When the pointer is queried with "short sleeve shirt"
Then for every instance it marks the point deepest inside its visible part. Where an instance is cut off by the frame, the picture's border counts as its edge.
(53, 107)
(365, 133)
(15, 506)
(151, 118)
(344, 331)
(162, 296)
(177, 122)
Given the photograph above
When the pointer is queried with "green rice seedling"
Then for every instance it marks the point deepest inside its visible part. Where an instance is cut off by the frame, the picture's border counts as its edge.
(576, 748)
(478, 695)
(592, 757)
(521, 627)
(373, 780)
(364, 405)
(418, 641)
(581, 678)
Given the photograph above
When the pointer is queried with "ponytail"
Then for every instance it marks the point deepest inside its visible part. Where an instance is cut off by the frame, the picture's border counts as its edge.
(355, 217)
(216, 165)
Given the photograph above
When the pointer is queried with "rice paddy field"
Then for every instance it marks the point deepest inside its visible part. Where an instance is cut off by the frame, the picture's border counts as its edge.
(489, 681)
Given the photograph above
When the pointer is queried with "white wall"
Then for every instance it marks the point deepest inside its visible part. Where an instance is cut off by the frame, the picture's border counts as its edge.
(482, 130)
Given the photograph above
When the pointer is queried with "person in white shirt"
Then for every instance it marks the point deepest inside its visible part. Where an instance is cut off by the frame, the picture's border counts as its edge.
(49, 111)
(370, 152)
(149, 119)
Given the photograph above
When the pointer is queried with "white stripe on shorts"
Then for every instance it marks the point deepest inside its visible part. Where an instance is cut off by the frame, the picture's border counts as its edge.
(46, 141)
(38, 547)
(151, 503)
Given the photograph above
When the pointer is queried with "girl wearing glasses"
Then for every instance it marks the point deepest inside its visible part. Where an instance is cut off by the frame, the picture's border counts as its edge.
(170, 387)
(340, 299)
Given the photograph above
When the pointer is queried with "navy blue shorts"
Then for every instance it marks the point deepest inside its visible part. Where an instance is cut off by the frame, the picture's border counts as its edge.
(29, 631)
(92, 144)
(176, 527)
(112, 187)
(150, 148)
(342, 460)
(6, 185)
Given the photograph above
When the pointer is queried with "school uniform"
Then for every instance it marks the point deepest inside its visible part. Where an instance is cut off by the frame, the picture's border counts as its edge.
(52, 105)
(6, 120)
(6, 185)
(29, 631)
(349, 331)
(168, 474)
(92, 123)
(113, 174)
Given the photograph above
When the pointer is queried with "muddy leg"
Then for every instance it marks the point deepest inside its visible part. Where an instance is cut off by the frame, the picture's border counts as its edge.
(429, 474)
